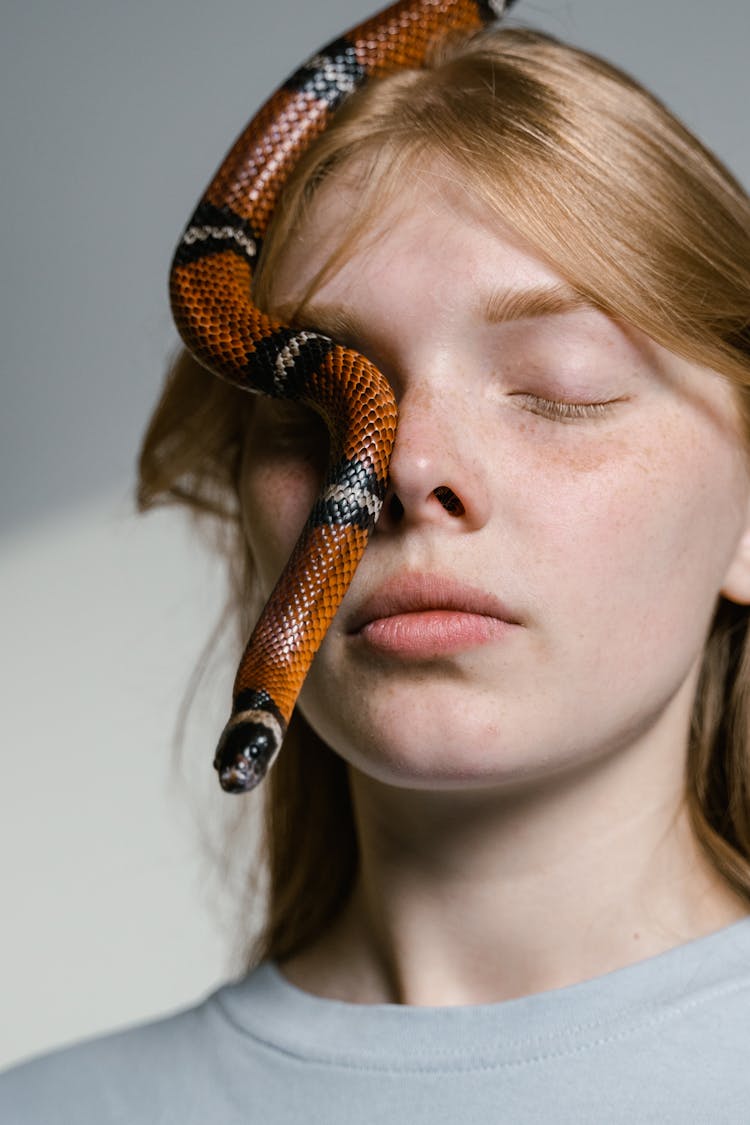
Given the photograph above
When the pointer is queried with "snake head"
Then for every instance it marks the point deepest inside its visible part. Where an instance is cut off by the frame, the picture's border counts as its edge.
(246, 749)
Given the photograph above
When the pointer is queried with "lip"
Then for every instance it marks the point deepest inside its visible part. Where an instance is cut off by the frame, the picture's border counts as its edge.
(415, 614)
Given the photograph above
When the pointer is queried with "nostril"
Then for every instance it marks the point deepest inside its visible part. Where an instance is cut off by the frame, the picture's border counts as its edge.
(395, 508)
(449, 500)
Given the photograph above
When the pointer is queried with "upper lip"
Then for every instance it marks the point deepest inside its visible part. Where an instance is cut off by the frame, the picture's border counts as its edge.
(411, 592)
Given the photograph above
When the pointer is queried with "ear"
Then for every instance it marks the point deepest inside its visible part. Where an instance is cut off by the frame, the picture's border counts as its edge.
(736, 585)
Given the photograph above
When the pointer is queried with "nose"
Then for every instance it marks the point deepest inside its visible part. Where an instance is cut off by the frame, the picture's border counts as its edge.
(436, 474)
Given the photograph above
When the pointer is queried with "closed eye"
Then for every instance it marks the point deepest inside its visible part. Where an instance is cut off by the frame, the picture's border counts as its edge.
(287, 426)
(561, 411)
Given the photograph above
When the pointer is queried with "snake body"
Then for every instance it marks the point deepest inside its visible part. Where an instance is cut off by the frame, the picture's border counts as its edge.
(210, 290)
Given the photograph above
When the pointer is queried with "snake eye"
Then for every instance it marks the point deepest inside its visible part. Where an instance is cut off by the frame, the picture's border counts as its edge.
(258, 750)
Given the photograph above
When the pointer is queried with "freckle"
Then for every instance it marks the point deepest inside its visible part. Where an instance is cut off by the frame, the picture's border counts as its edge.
(586, 460)
(636, 937)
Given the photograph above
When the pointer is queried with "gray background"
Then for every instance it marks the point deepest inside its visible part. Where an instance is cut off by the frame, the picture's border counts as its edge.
(115, 116)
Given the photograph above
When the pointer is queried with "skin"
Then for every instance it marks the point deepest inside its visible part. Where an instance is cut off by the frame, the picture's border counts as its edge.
(518, 803)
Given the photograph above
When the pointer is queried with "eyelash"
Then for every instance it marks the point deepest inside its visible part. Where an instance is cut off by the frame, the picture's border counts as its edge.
(564, 411)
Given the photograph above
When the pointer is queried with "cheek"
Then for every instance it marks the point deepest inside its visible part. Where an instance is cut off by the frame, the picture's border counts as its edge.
(639, 536)
(276, 501)
(284, 460)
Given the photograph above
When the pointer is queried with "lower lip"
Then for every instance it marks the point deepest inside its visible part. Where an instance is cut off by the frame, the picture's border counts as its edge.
(432, 632)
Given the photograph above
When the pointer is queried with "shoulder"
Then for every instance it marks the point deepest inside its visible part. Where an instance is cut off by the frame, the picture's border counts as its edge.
(168, 1069)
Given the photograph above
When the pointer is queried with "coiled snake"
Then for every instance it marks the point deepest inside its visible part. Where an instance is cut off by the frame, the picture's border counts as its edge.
(210, 286)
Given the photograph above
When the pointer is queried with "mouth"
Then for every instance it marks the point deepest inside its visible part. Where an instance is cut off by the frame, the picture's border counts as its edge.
(423, 615)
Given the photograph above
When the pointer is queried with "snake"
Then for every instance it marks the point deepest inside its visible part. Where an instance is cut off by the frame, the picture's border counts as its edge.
(210, 287)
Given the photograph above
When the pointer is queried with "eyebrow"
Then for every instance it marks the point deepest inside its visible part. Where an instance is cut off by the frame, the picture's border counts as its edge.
(330, 320)
(500, 307)
(505, 305)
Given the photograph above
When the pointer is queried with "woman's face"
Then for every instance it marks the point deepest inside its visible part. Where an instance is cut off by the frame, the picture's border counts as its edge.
(602, 499)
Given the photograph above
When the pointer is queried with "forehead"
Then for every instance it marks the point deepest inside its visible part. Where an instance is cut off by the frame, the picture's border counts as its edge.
(428, 215)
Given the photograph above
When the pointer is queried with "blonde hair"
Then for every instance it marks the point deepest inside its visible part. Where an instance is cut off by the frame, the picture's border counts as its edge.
(631, 210)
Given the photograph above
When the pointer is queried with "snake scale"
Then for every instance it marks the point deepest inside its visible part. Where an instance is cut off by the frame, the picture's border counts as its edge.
(210, 290)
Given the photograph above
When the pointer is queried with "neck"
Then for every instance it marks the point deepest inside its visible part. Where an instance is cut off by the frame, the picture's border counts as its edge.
(478, 897)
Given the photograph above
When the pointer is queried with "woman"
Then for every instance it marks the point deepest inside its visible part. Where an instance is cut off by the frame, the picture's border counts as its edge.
(508, 836)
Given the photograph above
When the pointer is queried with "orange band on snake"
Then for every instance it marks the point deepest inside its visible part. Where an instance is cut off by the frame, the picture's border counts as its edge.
(210, 287)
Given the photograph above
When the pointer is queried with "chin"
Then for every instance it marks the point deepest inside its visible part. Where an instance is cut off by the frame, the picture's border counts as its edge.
(432, 753)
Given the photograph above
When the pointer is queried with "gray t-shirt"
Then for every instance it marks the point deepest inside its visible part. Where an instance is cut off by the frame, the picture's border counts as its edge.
(665, 1040)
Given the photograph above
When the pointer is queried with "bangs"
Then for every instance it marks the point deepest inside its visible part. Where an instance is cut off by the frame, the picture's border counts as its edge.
(583, 164)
